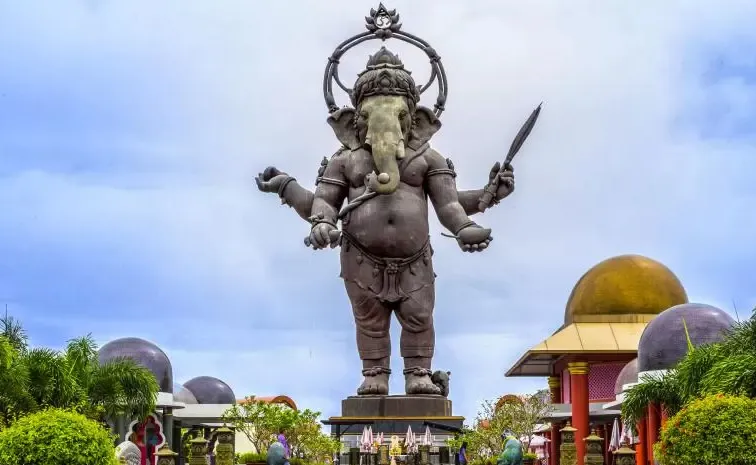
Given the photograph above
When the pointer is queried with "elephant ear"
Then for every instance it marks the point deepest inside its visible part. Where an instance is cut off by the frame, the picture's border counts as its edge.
(342, 122)
(426, 124)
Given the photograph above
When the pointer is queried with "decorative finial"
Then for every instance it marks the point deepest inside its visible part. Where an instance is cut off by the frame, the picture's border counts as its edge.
(383, 58)
(382, 22)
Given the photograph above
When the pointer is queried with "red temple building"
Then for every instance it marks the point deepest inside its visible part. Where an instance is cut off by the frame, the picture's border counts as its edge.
(605, 316)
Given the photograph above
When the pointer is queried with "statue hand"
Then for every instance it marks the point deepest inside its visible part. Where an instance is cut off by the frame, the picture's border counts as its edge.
(322, 235)
(473, 238)
(271, 179)
(502, 177)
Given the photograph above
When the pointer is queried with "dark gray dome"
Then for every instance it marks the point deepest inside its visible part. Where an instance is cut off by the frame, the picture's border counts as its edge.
(663, 342)
(209, 390)
(628, 374)
(182, 394)
(144, 353)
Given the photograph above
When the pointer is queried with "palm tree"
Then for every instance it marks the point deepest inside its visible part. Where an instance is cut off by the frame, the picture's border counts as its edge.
(31, 379)
(118, 387)
(15, 399)
(13, 332)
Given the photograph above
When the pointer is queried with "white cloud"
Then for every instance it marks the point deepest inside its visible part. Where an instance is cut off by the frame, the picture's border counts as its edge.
(206, 96)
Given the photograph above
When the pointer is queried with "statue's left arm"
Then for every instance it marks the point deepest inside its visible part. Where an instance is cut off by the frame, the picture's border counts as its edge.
(442, 190)
(500, 184)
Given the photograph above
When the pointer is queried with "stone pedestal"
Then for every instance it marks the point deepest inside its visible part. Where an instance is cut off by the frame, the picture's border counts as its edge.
(394, 414)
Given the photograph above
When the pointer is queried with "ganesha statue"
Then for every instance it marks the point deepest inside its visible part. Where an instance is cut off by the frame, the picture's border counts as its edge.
(378, 186)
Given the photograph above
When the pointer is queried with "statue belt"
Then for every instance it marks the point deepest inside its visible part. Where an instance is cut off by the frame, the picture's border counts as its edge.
(391, 268)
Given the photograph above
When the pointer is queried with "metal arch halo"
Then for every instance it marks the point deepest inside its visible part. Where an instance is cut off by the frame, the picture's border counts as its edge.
(379, 29)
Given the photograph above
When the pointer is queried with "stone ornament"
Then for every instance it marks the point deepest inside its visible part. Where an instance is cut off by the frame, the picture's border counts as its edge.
(593, 449)
(224, 451)
(198, 451)
(128, 453)
(568, 449)
(165, 456)
(624, 456)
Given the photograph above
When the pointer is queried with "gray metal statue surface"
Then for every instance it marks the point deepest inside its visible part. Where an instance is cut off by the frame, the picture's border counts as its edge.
(386, 172)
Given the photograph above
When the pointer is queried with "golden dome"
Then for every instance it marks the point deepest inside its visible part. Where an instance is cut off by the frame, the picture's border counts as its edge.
(627, 288)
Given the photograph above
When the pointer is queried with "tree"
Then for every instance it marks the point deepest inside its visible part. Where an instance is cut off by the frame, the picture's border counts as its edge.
(38, 378)
(15, 399)
(522, 417)
(261, 421)
(484, 438)
(306, 438)
(517, 415)
(118, 387)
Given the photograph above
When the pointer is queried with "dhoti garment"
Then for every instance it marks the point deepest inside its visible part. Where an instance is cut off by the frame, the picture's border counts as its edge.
(378, 287)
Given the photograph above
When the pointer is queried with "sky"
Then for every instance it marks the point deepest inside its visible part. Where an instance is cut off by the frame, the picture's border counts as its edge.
(131, 132)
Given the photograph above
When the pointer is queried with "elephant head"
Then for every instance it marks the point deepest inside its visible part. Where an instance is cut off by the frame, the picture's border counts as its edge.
(386, 119)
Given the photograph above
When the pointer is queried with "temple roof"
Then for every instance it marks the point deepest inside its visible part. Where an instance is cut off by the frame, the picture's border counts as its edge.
(580, 338)
(279, 399)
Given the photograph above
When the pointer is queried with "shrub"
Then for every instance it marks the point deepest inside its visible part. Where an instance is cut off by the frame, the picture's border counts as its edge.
(251, 457)
(715, 430)
(56, 437)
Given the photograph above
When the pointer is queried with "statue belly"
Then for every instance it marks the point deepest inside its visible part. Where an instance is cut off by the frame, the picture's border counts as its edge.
(392, 226)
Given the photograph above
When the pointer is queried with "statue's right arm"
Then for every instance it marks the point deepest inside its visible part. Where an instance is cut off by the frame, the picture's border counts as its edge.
(275, 181)
(331, 189)
(298, 198)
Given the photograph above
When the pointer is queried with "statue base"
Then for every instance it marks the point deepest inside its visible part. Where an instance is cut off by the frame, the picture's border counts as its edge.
(394, 414)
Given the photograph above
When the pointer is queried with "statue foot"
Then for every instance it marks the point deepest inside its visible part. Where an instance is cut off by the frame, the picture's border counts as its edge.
(418, 381)
(376, 382)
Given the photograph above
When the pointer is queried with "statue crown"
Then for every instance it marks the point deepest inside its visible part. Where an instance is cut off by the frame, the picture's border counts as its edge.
(384, 58)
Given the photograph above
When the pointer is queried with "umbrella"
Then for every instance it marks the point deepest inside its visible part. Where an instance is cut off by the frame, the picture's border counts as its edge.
(627, 434)
(616, 438)
(365, 440)
(409, 440)
(370, 439)
(428, 439)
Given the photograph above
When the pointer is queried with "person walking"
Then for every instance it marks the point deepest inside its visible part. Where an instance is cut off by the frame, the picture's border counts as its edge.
(462, 454)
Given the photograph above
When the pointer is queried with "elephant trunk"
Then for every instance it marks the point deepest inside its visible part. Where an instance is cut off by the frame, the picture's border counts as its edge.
(387, 147)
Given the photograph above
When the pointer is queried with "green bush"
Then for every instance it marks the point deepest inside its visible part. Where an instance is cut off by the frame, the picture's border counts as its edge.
(250, 457)
(715, 430)
(56, 437)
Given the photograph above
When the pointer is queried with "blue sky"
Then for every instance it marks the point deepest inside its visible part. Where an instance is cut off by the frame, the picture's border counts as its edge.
(130, 134)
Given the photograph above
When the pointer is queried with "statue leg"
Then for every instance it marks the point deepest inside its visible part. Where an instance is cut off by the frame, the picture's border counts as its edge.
(418, 340)
(372, 319)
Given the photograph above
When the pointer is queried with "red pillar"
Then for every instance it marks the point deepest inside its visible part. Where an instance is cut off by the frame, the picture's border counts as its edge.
(640, 448)
(652, 431)
(555, 389)
(579, 397)
(556, 441)
(605, 432)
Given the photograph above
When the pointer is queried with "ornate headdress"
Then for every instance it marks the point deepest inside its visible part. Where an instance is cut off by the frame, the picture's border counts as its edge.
(384, 73)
